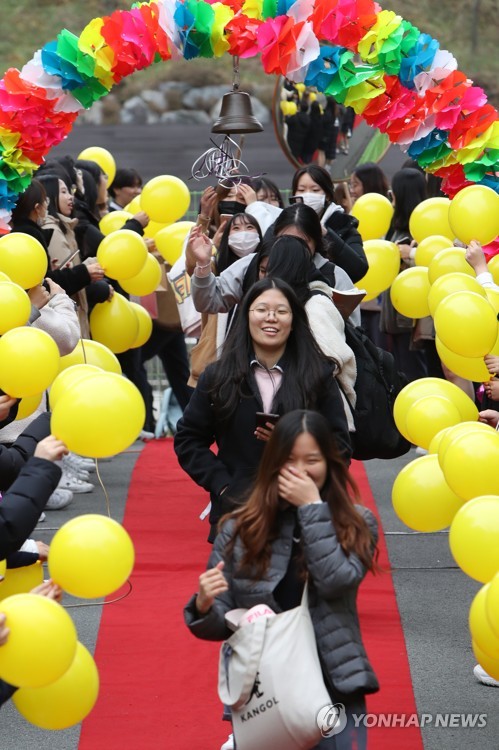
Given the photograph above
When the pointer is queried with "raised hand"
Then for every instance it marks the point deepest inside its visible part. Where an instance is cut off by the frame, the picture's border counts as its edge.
(212, 583)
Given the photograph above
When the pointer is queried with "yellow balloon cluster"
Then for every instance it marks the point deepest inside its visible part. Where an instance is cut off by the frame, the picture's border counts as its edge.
(426, 406)
(99, 416)
(91, 556)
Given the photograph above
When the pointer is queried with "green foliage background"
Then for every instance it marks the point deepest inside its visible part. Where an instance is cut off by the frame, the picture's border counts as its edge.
(29, 24)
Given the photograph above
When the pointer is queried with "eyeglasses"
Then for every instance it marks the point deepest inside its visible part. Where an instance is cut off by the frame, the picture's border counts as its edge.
(262, 311)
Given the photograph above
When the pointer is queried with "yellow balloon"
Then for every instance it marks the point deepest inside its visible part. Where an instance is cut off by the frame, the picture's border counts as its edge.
(144, 325)
(474, 537)
(470, 368)
(93, 353)
(431, 217)
(170, 241)
(15, 306)
(134, 207)
(3, 568)
(384, 265)
(409, 292)
(429, 247)
(450, 283)
(464, 428)
(114, 324)
(421, 498)
(28, 405)
(427, 416)
(492, 605)
(100, 416)
(146, 281)
(437, 439)
(151, 230)
(432, 387)
(91, 556)
(481, 631)
(374, 213)
(491, 666)
(67, 378)
(103, 158)
(29, 361)
(466, 323)
(450, 260)
(23, 259)
(4, 277)
(65, 702)
(41, 643)
(122, 254)
(474, 214)
(165, 199)
(113, 221)
(469, 464)
(493, 267)
(21, 580)
(493, 297)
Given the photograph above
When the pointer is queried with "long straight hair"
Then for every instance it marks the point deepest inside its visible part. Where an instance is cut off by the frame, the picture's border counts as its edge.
(305, 368)
(257, 521)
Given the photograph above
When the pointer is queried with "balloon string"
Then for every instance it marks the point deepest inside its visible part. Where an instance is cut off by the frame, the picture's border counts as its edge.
(103, 604)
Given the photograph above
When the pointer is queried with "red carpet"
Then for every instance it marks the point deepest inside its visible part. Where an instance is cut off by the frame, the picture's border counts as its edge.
(158, 683)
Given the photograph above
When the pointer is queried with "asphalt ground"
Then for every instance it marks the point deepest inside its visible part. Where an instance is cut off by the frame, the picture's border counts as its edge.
(433, 595)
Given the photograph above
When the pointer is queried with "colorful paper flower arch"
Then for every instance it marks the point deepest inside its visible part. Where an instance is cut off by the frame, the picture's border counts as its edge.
(366, 57)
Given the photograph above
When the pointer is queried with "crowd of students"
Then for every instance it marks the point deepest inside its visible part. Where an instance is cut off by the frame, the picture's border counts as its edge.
(270, 382)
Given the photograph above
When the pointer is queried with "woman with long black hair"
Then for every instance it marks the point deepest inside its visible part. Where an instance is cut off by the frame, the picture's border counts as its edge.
(270, 364)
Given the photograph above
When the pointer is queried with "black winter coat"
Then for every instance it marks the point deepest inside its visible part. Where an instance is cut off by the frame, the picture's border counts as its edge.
(13, 458)
(239, 452)
(344, 245)
(24, 501)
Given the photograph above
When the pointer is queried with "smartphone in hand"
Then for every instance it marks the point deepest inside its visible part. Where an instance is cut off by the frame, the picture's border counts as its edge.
(262, 418)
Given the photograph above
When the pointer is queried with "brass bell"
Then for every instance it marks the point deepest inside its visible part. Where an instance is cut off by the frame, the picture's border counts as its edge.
(236, 115)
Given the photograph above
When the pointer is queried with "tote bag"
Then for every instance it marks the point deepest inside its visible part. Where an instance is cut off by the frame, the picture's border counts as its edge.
(270, 676)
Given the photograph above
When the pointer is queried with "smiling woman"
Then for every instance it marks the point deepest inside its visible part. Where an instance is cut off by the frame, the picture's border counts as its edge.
(270, 363)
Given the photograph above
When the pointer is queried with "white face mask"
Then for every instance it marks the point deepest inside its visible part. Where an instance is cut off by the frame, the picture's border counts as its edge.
(314, 200)
(243, 243)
